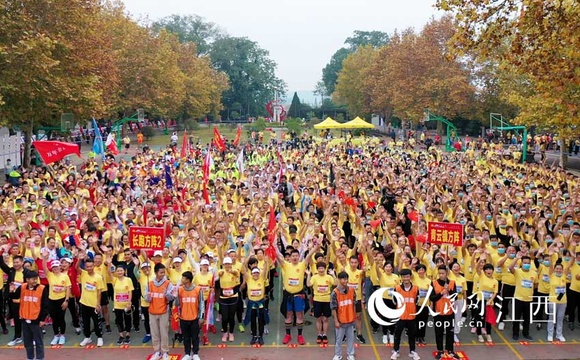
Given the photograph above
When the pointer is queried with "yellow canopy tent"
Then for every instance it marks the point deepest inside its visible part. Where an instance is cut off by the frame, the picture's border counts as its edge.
(328, 123)
(357, 123)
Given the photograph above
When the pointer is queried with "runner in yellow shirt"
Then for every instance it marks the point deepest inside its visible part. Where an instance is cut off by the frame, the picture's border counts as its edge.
(92, 285)
(122, 292)
(523, 296)
(321, 284)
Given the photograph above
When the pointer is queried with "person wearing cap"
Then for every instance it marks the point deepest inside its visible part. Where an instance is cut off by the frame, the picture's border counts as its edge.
(256, 289)
(92, 285)
(16, 275)
(342, 304)
(33, 311)
(159, 292)
(237, 265)
(144, 275)
(229, 279)
(59, 285)
(73, 304)
(204, 278)
(191, 309)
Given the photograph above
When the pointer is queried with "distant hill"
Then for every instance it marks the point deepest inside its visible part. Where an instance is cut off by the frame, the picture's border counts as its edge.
(306, 96)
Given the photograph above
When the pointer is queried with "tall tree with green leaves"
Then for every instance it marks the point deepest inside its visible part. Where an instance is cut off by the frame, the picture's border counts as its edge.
(191, 28)
(295, 107)
(251, 73)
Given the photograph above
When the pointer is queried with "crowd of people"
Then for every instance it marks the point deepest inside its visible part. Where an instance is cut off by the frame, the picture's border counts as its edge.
(323, 225)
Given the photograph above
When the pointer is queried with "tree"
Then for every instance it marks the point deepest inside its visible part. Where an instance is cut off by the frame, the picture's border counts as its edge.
(350, 90)
(51, 62)
(295, 107)
(375, 39)
(251, 73)
(413, 73)
(331, 70)
(191, 28)
(541, 41)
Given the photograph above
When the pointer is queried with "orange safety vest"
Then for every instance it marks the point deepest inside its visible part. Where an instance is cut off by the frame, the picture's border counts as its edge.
(443, 306)
(345, 310)
(30, 302)
(410, 298)
(189, 303)
(158, 305)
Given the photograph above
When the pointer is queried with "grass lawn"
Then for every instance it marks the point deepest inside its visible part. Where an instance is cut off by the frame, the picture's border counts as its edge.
(205, 134)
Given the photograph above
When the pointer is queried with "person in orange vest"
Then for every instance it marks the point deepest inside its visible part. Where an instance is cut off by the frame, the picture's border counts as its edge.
(342, 304)
(443, 293)
(410, 294)
(159, 293)
(33, 313)
(191, 307)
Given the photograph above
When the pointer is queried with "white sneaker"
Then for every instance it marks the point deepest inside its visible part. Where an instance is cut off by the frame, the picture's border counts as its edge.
(15, 342)
(266, 331)
(350, 357)
(550, 338)
(413, 355)
(195, 357)
(99, 342)
(85, 342)
(561, 338)
(521, 327)
(394, 355)
(55, 340)
(501, 326)
(455, 338)
(186, 357)
(62, 340)
(385, 339)
(337, 357)
(391, 339)
(489, 340)
(156, 356)
(165, 356)
(480, 338)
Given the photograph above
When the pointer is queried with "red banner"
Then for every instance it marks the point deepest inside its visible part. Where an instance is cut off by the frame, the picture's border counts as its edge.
(149, 238)
(51, 151)
(218, 139)
(445, 233)
(238, 136)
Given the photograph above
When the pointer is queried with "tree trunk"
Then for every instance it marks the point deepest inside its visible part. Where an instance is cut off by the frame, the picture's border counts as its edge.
(564, 154)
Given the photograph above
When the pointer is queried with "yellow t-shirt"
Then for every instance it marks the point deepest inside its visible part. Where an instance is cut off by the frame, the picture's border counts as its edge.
(486, 287)
(204, 281)
(143, 281)
(524, 284)
(256, 288)
(423, 285)
(355, 279)
(122, 288)
(57, 285)
(389, 282)
(460, 284)
(293, 276)
(322, 286)
(544, 279)
(90, 284)
(558, 288)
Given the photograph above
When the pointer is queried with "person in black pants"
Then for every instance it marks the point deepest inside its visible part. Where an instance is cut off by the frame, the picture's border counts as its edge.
(443, 289)
(191, 307)
(129, 261)
(16, 275)
(34, 311)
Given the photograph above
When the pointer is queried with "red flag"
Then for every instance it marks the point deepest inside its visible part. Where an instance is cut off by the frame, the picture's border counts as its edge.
(218, 140)
(238, 136)
(207, 163)
(271, 251)
(51, 151)
(184, 145)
